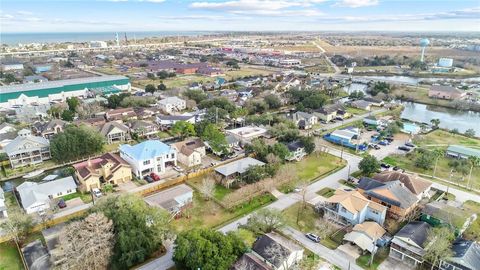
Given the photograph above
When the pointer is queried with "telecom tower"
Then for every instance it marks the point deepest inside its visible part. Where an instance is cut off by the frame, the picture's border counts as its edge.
(424, 42)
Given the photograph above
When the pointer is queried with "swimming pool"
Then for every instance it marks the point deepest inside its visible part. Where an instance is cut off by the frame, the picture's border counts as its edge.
(410, 128)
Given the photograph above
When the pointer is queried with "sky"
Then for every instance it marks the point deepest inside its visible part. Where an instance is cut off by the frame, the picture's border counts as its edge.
(29, 16)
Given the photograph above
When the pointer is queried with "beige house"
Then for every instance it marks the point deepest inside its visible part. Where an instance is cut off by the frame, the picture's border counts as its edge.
(445, 92)
(190, 152)
(114, 132)
(109, 168)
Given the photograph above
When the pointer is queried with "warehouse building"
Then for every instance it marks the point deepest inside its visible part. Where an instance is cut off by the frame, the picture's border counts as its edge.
(53, 91)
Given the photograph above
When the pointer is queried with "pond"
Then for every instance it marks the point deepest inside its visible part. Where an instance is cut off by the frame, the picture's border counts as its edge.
(449, 118)
(415, 80)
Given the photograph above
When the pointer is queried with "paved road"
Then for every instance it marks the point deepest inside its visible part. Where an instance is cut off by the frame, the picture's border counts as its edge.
(352, 119)
(336, 257)
(162, 263)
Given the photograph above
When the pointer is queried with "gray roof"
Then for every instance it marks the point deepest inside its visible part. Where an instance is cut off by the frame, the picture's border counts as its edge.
(231, 139)
(49, 126)
(269, 240)
(109, 126)
(61, 83)
(467, 151)
(417, 231)
(13, 146)
(31, 192)
(466, 254)
(297, 116)
(404, 198)
(175, 117)
(238, 166)
(167, 199)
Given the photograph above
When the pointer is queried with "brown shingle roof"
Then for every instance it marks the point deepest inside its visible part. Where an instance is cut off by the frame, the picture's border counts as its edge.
(414, 183)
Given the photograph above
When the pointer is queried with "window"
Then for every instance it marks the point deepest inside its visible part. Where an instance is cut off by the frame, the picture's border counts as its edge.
(68, 191)
(343, 210)
(146, 162)
(59, 194)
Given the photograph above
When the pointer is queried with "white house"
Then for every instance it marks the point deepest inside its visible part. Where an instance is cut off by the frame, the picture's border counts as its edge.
(248, 133)
(148, 156)
(36, 197)
(172, 104)
(190, 152)
(166, 121)
(27, 149)
(7, 128)
(3, 207)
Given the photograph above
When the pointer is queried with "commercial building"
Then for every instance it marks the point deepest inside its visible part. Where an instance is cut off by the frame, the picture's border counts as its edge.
(12, 66)
(51, 91)
(445, 62)
(458, 151)
(98, 44)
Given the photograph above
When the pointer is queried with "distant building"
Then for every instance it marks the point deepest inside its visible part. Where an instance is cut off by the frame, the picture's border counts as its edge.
(3, 207)
(114, 132)
(362, 104)
(148, 156)
(34, 79)
(120, 114)
(417, 185)
(329, 112)
(167, 121)
(50, 128)
(27, 150)
(12, 66)
(54, 91)
(445, 92)
(42, 68)
(98, 44)
(303, 120)
(172, 104)
(459, 151)
(445, 62)
(247, 133)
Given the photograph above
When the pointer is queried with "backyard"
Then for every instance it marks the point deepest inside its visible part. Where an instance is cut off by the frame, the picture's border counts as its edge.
(310, 221)
(10, 257)
(380, 256)
(208, 214)
(473, 231)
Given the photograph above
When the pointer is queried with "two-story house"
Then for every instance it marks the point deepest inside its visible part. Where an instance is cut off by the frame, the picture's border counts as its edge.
(408, 245)
(109, 168)
(48, 129)
(351, 207)
(114, 132)
(120, 114)
(417, 185)
(143, 128)
(296, 151)
(303, 120)
(26, 149)
(172, 104)
(148, 156)
(399, 200)
(190, 152)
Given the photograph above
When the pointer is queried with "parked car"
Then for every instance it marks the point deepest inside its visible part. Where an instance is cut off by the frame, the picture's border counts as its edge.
(385, 166)
(404, 148)
(61, 203)
(384, 143)
(96, 192)
(396, 168)
(178, 169)
(389, 139)
(148, 179)
(154, 176)
(315, 238)
(410, 145)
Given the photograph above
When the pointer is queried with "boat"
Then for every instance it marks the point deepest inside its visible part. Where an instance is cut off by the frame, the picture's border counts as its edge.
(33, 174)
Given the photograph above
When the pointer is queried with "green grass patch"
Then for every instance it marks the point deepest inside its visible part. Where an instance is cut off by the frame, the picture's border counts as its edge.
(86, 197)
(445, 138)
(358, 111)
(10, 257)
(312, 168)
(473, 231)
(307, 219)
(248, 237)
(219, 193)
(346, 183)
(364, 260)
(326, 192)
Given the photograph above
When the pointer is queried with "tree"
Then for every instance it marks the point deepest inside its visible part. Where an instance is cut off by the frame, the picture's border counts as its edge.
(474, 162)
(73, 103)
(55, 111)
(470, 133)
(68, 115)
(115, 100)
(424, 160)
(369, 164)
(183, 129)
(308, 144)
(356, 95)
(197, 95)
(437, 154)
(76, 142)
(265, 220)
(439, 246)
(17, 225)
(273, 101)
(162, 87)
(208, 187)
(215, 138)
(87, 244)
(207, 249)
(435, 123)
(150, 88)
(380, 87)
(139, 228)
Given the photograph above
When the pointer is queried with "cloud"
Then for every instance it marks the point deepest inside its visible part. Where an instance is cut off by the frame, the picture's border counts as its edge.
(357, 3)
(23, 12)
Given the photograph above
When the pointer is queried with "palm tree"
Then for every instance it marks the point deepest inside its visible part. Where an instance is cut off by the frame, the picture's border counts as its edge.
(474, 162)
(437, 153)
(435, 122)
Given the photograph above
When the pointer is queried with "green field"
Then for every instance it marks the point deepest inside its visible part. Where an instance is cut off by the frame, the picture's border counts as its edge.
(208, 214)
(10, 257)
(326, 192)
(312, 167)
(245, 71)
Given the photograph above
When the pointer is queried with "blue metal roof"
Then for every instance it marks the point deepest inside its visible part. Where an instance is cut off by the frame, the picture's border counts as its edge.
(146, 150)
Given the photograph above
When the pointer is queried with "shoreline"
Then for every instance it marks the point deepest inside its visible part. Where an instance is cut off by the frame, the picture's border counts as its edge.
(417, 76)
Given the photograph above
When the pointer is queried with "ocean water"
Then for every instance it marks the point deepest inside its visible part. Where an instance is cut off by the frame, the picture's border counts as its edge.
(15, 38)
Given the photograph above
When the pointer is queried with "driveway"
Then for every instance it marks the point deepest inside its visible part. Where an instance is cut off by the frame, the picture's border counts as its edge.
(350, 249)
(392, 264)
(165, 262)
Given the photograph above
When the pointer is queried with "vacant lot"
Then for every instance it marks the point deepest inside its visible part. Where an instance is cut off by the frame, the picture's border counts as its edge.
(445, 138)
(245, 71)
(208, 214)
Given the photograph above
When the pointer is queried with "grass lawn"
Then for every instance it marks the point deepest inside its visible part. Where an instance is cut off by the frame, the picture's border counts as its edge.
(326, 192)
(313, 167)
(473, 231)
(306, 223)
(407, 162)
(220, 191)
(445, 138)
(248, 237)
(208, 214)
(245, 71)
(9, 257)
(346, 183)
(86, 197)
(379, 257)
(353, 110)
